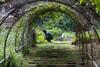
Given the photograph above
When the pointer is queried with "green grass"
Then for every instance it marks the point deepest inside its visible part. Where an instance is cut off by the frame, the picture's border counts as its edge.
(16, 58)
(56, 45)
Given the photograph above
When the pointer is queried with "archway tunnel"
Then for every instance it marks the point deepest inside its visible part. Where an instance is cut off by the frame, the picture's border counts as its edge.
(30, 18)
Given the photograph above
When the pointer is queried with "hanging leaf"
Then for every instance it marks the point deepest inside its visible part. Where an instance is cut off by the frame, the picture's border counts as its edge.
(82, 1)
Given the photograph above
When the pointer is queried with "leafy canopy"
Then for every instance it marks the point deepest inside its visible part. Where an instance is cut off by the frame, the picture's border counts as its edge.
(93, 2)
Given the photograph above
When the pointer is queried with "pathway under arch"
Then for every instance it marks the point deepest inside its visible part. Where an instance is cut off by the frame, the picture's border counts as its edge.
(37, 8)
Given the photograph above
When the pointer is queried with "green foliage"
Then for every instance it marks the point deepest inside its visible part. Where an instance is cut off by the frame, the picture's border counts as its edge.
(93, 2)
(59, 20)
(97, 4)
(56, 32)
(16, 59)
(1, 52)
(3, 34)
(56, 45)
(55, 20)
(82, 1)
(56, 23)
(40, 36)
(10, 48)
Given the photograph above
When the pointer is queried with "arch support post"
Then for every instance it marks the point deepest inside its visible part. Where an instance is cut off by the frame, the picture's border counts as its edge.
(91, 49)
(86, 47)
(83, 50)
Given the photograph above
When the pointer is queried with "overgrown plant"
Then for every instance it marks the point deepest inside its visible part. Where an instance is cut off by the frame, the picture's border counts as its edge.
(16, 59)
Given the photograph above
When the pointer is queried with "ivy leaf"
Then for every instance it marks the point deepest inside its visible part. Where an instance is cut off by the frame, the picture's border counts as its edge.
(82, 1)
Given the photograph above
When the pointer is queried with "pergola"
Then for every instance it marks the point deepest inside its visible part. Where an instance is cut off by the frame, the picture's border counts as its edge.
(31, 9)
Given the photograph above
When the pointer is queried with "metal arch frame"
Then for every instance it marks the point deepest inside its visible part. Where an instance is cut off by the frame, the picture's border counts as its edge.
(87, 57)
(15, 8)
(11, 12)
(6, 36)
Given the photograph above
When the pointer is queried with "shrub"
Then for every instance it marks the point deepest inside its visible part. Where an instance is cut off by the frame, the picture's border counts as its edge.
(55, 32)
(40, 36)
(16, 59)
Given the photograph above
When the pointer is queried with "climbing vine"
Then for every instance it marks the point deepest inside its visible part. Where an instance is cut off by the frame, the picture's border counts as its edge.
(95, 3)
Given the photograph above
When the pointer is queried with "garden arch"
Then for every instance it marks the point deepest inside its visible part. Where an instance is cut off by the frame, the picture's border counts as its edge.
(31, 10)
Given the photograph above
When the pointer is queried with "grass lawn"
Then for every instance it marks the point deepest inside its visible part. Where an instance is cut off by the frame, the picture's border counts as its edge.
(63, 45)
